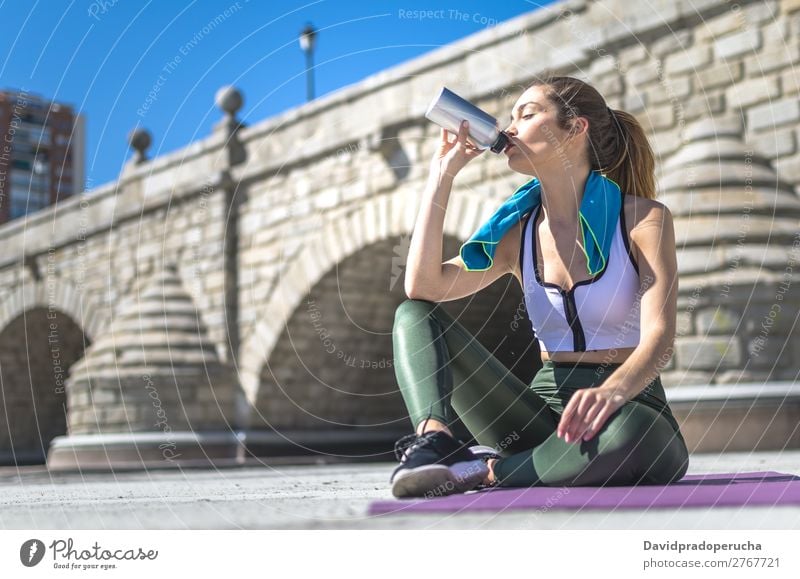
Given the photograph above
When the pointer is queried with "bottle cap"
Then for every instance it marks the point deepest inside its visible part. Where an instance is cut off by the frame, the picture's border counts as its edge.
(499, 143)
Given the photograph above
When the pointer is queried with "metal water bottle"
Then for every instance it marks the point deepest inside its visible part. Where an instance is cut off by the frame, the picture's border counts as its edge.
(448, 109)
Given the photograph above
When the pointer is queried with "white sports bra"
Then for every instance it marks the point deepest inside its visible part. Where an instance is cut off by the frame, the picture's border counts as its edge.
(599, 313)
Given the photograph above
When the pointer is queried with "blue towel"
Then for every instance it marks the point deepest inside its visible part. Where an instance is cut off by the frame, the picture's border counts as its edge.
(599, 211)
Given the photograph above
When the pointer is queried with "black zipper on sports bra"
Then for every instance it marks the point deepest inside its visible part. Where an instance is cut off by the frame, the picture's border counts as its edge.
(568, 296)
(578, 337)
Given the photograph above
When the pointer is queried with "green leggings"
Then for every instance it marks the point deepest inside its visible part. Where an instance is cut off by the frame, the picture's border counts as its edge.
(446, 374)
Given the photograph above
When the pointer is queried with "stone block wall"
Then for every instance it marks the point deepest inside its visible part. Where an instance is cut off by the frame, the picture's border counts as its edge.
(337, 181)
(682, 64)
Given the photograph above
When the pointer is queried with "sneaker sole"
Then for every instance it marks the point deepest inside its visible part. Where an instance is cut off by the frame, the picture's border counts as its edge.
(438, 480)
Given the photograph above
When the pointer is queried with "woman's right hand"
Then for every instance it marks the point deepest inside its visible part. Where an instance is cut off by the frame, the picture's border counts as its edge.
(452, 156)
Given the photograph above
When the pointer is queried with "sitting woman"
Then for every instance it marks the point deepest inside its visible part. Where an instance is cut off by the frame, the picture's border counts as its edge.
(596, 412)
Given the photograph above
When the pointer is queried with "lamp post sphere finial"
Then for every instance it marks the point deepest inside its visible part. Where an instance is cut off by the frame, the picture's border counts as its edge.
(307, 38)
(229, 99)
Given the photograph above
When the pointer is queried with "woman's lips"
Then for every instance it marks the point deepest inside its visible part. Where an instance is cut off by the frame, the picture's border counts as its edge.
(510, 147)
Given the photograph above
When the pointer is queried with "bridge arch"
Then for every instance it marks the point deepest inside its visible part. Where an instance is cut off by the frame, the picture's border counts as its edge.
(55, 293)
(45, 327)
(37, 348)
(379, 230)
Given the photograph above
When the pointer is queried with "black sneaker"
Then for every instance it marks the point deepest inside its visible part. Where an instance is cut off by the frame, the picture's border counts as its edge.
(433, 465)
(484, 452)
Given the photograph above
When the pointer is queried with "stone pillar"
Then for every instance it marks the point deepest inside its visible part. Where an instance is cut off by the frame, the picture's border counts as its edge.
(151, 391)
(230, 100)
(738, 249)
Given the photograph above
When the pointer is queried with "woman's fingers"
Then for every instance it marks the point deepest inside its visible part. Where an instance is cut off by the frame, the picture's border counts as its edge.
(561, 429)
(586, 431)
(567, 416)
(457, 152)
(584, 415)
(446, 137)
(463, 131)
(578, 418)
(585, 402)
(601, 418)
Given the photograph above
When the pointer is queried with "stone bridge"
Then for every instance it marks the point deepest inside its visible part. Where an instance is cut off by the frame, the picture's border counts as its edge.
(236, 297)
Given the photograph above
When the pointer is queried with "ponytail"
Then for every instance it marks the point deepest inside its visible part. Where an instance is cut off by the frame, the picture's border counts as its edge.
(631, 164)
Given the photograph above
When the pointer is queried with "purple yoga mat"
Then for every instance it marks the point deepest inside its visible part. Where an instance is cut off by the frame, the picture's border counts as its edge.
(699, 490)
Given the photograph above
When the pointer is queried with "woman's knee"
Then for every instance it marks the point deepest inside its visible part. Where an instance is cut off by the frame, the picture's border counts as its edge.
(648, 440)
(672, 463)
(680, 464)
(629, 427)
(412, 311)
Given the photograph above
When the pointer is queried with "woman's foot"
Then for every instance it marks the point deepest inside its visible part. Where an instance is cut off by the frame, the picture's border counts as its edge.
(433, 425)
(490, 457)
(435, 464)
(490, 479)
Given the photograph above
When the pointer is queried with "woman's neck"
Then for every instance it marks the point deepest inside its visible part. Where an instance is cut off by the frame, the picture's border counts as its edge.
(562, 194)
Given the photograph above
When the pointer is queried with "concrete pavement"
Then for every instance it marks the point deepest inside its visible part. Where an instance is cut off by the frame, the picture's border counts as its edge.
(257, 496)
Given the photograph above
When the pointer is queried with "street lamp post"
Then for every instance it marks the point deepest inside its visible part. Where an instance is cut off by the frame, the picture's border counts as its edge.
(308, 37)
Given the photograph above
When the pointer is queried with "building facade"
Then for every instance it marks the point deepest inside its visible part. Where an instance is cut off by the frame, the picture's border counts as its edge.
(41, 153)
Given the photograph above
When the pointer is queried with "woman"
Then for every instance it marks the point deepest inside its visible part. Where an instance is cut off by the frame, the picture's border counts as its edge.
(596, 413)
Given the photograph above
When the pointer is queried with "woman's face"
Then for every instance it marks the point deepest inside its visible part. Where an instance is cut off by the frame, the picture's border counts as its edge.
(537, 142)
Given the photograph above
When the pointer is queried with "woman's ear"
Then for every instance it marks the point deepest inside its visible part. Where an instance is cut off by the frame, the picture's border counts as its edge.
(581, 125)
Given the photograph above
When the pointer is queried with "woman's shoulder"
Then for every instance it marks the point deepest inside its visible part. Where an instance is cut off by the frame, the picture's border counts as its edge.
(640, 211)
(642, 214)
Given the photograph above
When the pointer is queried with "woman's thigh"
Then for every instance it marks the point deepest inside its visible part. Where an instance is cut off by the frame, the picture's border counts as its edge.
(636, 445)
(657, 451)
(497, 408)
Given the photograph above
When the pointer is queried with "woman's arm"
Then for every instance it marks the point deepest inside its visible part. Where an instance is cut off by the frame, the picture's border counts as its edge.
(424, 261)
(589, 408)
(426, 276)
(654, 237)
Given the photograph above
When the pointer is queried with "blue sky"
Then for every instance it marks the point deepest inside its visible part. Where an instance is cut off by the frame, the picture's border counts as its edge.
(104, 57)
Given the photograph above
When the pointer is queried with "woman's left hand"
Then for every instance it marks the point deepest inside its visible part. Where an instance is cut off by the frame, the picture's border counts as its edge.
(587, 411)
